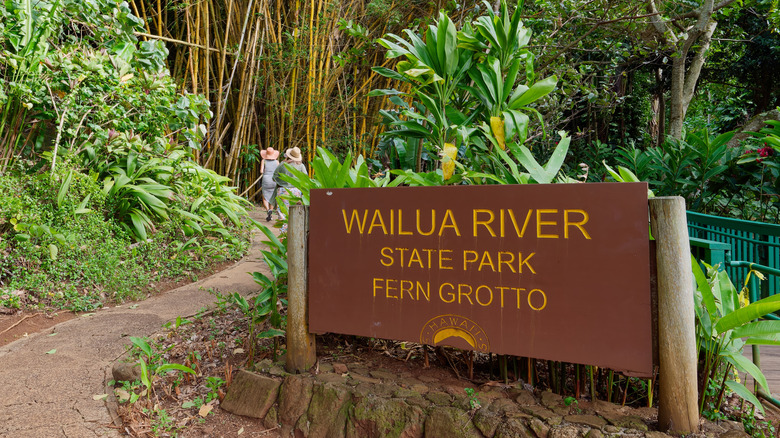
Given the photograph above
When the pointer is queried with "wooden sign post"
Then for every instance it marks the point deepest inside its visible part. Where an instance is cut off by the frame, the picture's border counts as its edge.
(301, 347)
(678, 410)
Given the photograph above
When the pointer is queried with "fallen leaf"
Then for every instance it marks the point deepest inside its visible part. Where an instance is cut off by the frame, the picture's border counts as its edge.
(52, 351)
(87, 314)
(121, 395)
(99, 396)
(204, 410)
(134, 306)
(238, 351)
(240, 431)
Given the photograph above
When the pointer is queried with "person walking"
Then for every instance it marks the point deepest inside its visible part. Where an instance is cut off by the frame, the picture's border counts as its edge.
(293, 160)
(268, 169)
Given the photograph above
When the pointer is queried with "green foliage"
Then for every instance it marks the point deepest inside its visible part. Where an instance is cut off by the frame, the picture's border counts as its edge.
(712, 176)
(470, 90)
(152, 365)
(71, 256)
(95, 149)
(722, 320)
(472, 397)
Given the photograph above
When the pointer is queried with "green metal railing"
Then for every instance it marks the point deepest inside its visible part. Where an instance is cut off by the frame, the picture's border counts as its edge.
(752, 242)
(740, 246)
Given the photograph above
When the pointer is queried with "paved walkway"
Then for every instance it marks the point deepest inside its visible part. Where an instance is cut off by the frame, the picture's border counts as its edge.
(48, 393)
(770, 365)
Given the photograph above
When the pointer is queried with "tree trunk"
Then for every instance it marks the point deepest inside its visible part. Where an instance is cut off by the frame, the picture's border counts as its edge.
(685, 74)
(684, 79)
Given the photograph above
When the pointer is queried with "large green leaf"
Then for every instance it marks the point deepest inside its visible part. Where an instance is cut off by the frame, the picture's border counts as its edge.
(536, 92)
(447, 44)
(64, 189)
(748, 313)
(174, 367)
(743, 392)
(773, 339)
(745, 365)
(758, 328)
(704, 288)
(555, 162)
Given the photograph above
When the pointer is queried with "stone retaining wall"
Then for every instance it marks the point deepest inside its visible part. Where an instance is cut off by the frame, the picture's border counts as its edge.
(353, 402)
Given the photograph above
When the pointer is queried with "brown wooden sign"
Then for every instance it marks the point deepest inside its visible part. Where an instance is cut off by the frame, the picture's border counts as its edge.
(557, 272)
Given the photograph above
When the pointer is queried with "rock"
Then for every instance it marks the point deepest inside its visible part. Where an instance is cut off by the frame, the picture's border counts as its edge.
(419, 402)
(251, 395)
(503, 406)
(525, 398)
(271, 419)
(326, 368)
(629, 422)
(382, 390)
(565, 431)
(364, 379)
(332, 378)
(451, 423)
(422, 389)
(551, 400)
(357, 368)
(655, 434)
(543, 414)
(374, 417)
(588, 420)
(732, 425)
(339, 368)
(735, 434)
(487, 397)
(487, 421)
(439, 398)
(539, 428)
(263, 366)
(404, 393)
(513, 428)
(294, 398)
(278, 371)
(126, 371)
(611, 429)
(327, 413)
(383, 375)
(594, 433)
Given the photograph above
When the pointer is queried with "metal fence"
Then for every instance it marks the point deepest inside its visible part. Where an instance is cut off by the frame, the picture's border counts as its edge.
(717, 239)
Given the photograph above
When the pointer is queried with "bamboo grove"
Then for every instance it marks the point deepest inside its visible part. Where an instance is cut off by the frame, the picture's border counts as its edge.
(279, 73)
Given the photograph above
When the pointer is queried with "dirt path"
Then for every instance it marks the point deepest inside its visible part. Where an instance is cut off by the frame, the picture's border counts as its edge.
(52, 381)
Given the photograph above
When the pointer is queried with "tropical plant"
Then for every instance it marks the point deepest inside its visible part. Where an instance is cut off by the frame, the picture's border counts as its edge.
(724, 317)
(265, 306)
(463, 92)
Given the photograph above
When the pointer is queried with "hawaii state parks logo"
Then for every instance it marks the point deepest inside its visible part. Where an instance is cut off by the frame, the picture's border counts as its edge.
(443, 327)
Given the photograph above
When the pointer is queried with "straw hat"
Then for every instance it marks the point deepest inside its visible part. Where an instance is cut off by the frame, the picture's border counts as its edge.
(269, 154)
(293, 154)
